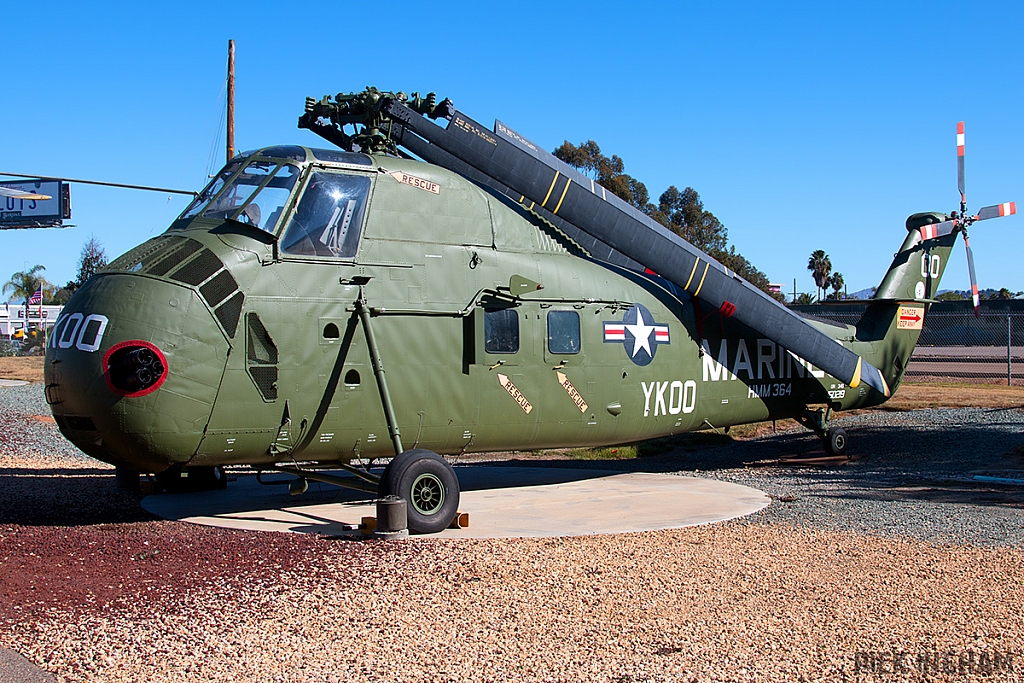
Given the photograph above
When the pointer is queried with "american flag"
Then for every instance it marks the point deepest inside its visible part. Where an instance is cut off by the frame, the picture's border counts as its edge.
(37, 298)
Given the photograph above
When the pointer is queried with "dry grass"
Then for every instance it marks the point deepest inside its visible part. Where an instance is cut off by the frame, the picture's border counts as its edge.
(943, 395)
(28, 368)
(914, 397)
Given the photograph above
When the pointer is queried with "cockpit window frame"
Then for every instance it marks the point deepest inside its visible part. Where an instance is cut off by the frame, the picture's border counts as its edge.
(259, 188)
(182, 221)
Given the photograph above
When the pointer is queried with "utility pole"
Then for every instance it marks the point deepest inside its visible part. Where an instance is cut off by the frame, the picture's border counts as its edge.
(231, 99)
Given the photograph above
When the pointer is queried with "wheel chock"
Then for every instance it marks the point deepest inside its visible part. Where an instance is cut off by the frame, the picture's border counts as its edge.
(367, 525)
(461, 521)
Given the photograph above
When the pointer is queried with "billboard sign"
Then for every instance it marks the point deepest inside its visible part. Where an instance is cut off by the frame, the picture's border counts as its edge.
(16, 212)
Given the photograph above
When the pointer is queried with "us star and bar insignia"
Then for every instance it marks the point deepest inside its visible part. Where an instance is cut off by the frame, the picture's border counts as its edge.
(638, 333)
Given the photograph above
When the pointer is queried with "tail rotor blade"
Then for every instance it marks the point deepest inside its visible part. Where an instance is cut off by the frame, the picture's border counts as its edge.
(974, 281)
(997, 211)
(960, 163)
(930, 232)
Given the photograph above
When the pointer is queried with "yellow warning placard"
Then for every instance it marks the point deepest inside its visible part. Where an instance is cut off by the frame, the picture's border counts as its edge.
(910, 318)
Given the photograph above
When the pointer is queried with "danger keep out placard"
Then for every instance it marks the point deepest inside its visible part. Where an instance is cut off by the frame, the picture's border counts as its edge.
(910, 318)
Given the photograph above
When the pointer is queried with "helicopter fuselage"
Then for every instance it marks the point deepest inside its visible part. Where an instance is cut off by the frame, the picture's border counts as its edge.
(236, 337)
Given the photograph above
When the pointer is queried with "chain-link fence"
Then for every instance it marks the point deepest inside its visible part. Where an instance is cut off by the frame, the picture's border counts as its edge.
(957, 347)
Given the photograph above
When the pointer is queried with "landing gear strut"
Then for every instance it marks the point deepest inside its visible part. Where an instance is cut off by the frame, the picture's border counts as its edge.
(833, 438)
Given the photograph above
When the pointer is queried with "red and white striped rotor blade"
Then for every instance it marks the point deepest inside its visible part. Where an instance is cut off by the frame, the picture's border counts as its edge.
(974, 281)
(960, 160)
(1005, 209)
(930, 232)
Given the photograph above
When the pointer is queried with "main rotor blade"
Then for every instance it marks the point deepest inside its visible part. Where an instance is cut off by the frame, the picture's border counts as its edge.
(519, 164)
(960, 162)
(997, 211)
(21, 194)
(437, 156)
(974, 281)
(930, 232)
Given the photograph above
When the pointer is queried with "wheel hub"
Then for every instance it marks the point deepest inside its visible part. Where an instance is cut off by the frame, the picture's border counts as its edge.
(427, 493)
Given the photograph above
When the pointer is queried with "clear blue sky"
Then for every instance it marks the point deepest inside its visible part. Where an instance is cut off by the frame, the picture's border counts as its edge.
(802, 126)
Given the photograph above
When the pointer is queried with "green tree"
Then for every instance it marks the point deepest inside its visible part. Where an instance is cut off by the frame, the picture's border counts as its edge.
(92, 260)
(1003, 294)
(950, 296)
(836, 283)
(821, 268)
(608, 171)
(23, 284)
(803, 299)
(682, 212)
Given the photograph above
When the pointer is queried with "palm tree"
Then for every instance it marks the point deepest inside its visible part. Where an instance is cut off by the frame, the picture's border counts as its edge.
(836, 282)
(23, 285)
(820, 267)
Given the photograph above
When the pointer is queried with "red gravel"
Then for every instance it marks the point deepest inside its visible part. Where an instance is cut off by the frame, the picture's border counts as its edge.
(83, 570)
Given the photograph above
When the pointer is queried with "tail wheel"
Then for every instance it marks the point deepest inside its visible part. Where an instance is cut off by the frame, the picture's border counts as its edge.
(429, 487)
(835, 441)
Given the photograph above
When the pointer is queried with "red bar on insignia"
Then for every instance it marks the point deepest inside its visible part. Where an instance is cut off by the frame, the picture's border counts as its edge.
(661, 334)
(1008, 209)
(960, 139)
(615, 333)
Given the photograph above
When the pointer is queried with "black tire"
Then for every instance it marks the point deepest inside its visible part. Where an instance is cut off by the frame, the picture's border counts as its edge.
(835, 441)
(207, 478)
(197, 479)
(427, 484)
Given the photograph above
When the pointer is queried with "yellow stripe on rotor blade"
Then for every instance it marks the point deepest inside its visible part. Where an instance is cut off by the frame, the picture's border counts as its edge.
(687, 285)
(568, 182)
(855, 382)
(706, 266)
(550, 189)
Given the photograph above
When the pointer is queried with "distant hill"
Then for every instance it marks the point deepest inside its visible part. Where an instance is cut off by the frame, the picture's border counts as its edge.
(863, 294)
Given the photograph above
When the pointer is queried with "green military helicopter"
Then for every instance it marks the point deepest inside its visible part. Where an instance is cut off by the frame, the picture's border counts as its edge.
(514, 303)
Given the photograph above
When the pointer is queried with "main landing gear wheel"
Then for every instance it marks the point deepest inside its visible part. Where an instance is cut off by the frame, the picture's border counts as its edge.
(428, 485)
(835, 441)
(204, 478)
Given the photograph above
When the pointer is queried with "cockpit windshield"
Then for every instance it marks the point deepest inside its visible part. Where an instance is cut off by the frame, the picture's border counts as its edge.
(256, 195)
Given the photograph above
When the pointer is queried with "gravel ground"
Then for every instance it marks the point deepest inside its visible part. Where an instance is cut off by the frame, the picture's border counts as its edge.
(892, 567)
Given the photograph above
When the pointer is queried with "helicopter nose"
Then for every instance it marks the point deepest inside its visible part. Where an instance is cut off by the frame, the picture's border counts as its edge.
(132, 370)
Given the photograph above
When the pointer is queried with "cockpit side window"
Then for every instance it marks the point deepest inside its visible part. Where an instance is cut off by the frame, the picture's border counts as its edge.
(201, 202)
(329, 216)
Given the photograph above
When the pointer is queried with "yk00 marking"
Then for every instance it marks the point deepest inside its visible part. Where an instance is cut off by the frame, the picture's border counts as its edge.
(84, 332)
(670, 398)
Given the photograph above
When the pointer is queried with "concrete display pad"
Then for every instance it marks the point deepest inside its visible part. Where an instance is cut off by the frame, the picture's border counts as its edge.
(502, 502)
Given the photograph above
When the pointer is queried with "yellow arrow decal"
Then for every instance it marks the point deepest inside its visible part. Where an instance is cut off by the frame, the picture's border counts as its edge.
(573, 393)
(514, 392)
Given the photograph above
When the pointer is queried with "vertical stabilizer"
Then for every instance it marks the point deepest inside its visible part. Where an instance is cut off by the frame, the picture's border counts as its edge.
(894, 319)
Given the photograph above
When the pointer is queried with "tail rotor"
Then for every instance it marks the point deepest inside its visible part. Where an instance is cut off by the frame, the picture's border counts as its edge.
(961, 221)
